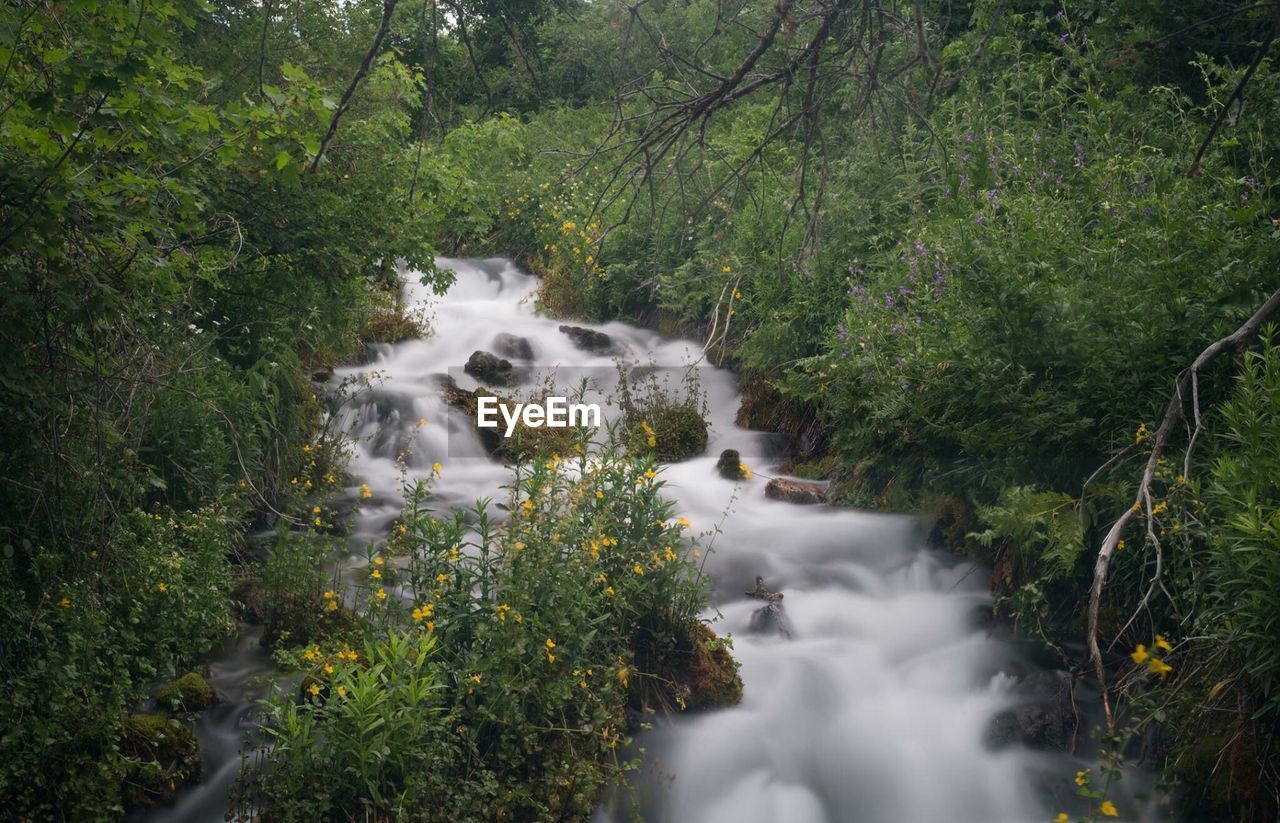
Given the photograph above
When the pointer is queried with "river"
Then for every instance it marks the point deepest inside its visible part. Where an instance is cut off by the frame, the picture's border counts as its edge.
(877, 704)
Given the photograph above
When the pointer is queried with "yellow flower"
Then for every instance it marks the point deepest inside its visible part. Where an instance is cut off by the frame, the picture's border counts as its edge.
(623, 675)
(160, 587)
(422, 421)
(599, 495)
(550, 644)
(1159, 667)
(609, 591)
(342, 691)
(650, 473)
(318, 522)
(1161, 643)
(746, 471)
(1108, 809)
(333, 605)
(328, 668)
(1082, 777)
(638, 569)
(1140, 654)
(315, 510)
(365, 491)
(527, 506)
(375, 574)
(329, 595)
(382, 594)
(683, 521)
(519, 545)
(436, 467)
(726, 269)
(65, 602)
(1120, 545)
(1061, 818)
(315, 690)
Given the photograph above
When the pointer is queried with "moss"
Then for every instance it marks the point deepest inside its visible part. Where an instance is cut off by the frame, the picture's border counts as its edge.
(163, 753)
(191, 693)
(524, 441)
(692, 667)
(679, 430)
(293, 619)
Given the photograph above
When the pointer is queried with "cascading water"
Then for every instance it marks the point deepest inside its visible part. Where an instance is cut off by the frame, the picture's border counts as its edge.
(875, 705)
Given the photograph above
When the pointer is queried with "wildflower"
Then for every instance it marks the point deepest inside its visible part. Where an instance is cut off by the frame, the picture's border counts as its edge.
(599, 495)
(330, 479)
(1141, 433)
(1162, 643)
(737, 295)
(329, 595)
(375, 574)
(381, 594)
(311, 653)
(441, 577)
(746, 471)
(65, 602)
(436, 467)
(1120, 545)
(683, 521)
(318, 522)
(1061, 818)
(638, 569)
(550, 644)
(333, 606)
(1159, 667)
(519, 545)
(93, 554)
(1082, 777)
(609, 591)
(527, 506)
(292, 482)
(315, 509)
(342, 691)
(160, 587)
(1108, 809)
(650, 473)
(501, 610)
(365, 491)
(328, 668)
(315, 690)
(475, 678)
(1140, 654)
(623, 676)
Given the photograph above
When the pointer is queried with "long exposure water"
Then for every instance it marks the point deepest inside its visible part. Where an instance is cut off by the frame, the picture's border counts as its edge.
(876, 704)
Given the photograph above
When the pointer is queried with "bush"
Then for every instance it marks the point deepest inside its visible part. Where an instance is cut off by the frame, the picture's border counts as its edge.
(528, 640)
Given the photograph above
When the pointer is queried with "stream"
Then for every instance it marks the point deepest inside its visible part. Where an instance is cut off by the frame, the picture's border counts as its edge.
(883, 700)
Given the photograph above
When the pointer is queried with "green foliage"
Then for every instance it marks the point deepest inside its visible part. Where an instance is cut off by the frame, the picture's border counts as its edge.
(499, 688)
(1239, 589)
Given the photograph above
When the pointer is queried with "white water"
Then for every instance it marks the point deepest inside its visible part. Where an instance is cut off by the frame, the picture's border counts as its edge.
(873, 710)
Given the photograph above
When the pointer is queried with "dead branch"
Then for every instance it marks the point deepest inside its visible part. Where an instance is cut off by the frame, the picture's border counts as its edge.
(1186, 385)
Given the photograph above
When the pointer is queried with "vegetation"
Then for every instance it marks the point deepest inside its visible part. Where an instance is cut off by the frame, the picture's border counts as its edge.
(547, 634)
(962, 252)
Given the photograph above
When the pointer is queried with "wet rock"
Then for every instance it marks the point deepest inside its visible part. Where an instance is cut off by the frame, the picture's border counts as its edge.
(489, 369)
(770, 619)
(509, 345)
(795, 491)
(729, 466)
(589, 339)
(1045, 719)
(165, 755)
(760, 592)
(189, 693)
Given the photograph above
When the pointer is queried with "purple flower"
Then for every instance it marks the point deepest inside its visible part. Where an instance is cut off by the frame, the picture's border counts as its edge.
(1062, 41)
(978, 219)
(968, 137)
(992, 197)
(842, 333)
(896, 328)
(1079, 164)
(888, 301)
(1148, 212)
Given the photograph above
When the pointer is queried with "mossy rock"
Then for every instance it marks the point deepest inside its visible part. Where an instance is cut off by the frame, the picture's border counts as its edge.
(524, 441)
(729, 466)
(164, 755)
(300, 620)
(693, 668)
(189, 693)
(679, 431)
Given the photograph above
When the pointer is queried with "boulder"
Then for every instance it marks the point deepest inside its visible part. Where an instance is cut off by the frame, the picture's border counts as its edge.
(509, 345)
(589, 339)
(189, 693)
(770, 619)
(729, 466)
(489, 369)
(795, 491)
(1044, 719)
(165, 754)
